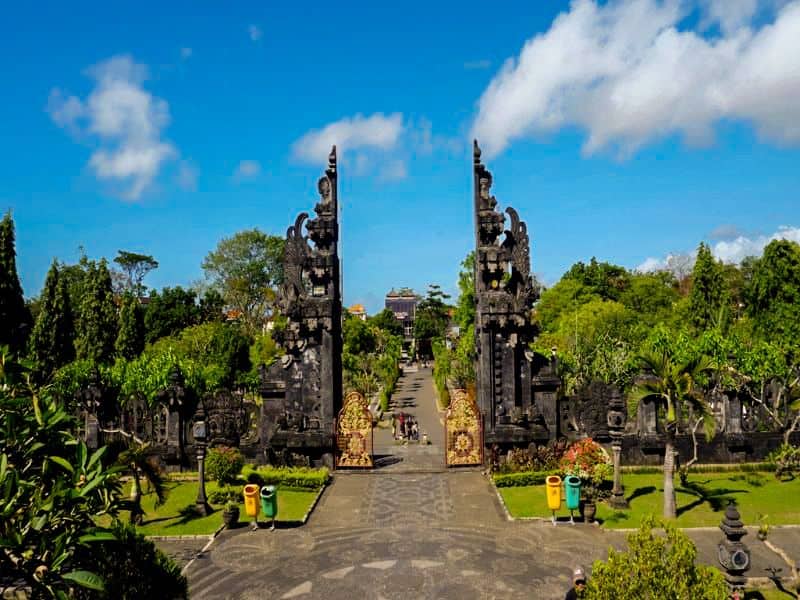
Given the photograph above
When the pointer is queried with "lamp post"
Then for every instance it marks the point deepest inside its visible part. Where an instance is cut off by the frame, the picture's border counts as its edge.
(616, 427)
(200, 438)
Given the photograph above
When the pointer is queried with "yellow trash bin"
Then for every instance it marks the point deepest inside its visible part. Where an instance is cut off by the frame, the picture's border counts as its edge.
(553, 492)
(251, 500)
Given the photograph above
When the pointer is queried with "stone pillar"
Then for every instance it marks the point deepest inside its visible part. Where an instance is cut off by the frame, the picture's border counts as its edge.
(616, 427)
(733, 554)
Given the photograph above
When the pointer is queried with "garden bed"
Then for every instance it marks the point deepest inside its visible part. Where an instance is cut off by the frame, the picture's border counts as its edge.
(700, 504)
(177, 515)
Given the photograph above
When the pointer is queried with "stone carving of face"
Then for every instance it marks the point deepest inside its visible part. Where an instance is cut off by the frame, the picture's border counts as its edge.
(324, 187)
(484, 187)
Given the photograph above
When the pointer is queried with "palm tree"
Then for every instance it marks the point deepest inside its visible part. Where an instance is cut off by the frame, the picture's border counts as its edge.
(673, 383)
(136, 459)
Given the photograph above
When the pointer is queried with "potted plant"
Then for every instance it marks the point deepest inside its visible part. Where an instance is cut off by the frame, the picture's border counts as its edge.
(589, 504)
(763, 527)
(230, 514)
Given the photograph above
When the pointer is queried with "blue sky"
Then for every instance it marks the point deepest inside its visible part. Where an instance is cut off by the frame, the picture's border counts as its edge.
(626, 131)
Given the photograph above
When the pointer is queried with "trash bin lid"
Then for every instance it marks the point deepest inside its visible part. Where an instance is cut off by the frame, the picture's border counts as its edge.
(267, 491)
(251, 489)
(572, 480)
(553, 480)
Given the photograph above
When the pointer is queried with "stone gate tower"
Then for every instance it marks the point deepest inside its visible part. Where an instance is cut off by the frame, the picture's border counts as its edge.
(516, 390)
(303, 391)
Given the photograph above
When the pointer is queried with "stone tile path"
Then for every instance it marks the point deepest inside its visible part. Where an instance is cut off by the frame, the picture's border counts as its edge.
(411, 530)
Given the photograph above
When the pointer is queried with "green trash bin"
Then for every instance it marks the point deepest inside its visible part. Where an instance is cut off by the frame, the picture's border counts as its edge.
(269, 502)
(573, 487)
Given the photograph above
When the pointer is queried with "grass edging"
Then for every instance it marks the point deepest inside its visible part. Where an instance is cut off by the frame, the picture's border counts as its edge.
(509, 516)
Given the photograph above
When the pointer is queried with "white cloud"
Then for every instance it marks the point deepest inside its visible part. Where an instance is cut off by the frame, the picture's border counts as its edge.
(735, 250)
(393, 171)
(124, 120)
(376, 132)
(186, 53)
(726, 231)
(186, 176)
(255, 32)
(628, 74)
(731, 251)
(247, 169)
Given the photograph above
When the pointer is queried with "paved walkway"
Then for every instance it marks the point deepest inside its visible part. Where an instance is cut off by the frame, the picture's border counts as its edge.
(414, 396)
(412, 529)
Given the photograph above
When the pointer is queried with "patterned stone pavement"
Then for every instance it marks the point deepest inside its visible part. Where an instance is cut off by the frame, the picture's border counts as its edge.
(399, 536)
(411, 530)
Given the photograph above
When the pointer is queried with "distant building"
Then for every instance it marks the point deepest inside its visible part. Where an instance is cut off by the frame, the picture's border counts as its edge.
(403, 303)
(358, 311)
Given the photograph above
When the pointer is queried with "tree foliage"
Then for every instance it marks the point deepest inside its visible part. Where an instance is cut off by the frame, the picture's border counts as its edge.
(655, 566)
(773, 292)
(53, 337)
(135, 267)
(51, 489)
(431, 319)
(96, 329)
(130, 339)
(169, 312)
(708, 298)
(14, 317)
(246, 268)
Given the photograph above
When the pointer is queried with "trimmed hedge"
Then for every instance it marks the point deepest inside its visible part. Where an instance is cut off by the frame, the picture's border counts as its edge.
(762, 467)
(522, 479)
(288, 477)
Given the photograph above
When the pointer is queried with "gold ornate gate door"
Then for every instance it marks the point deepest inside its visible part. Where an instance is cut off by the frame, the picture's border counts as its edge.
(463, 431)
(354, 433)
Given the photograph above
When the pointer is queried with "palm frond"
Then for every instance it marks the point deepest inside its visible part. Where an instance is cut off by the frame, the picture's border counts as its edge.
(155, 481)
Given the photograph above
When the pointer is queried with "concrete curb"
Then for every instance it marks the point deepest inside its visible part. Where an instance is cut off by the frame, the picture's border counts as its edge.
(211, 539)
(213, 536)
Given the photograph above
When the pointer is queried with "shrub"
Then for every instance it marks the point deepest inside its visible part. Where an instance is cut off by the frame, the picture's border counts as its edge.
(542, 458)
(225, 495)
(522, 479)
(655, 566)
(288, 477)
(224, 464)
(787, 461)
(133, 568)
(588, 460)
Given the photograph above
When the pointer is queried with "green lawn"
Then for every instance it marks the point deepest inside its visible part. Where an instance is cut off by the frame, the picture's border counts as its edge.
(177, 517)
(701, 506)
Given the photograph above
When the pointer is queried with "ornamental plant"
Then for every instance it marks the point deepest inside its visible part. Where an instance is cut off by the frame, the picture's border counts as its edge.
(224, 464)
(588, 460)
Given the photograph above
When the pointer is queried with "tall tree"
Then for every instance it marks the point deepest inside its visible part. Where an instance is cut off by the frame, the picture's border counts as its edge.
(431, 319)
(386, 321)
(135, 267)
(604, 279)
(130, 339)
(246, 268)
(14, 319)
(169, 312)
(708, 298)
(97, 322)
(53, 338)
(773, 292)
(673, 383)
(465, 307)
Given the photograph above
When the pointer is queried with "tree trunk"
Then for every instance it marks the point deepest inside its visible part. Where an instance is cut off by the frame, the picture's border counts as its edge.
(670, 511)
(136, 498)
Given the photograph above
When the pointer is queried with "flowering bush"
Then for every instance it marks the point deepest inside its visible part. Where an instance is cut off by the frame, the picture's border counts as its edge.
(224, 464)
(588, 460)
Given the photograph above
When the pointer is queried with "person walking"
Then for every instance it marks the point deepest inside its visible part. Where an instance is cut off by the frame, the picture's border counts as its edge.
(578, 584)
